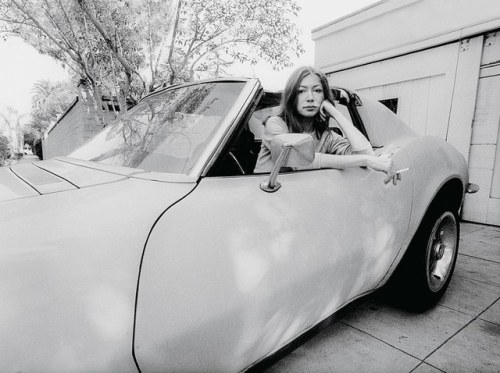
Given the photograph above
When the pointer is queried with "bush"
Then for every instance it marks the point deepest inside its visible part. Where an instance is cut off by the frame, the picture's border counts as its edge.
(29, 138)
(4, 149)
(37, 148)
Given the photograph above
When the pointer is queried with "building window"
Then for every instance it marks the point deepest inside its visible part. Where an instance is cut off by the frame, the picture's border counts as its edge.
(391, 104)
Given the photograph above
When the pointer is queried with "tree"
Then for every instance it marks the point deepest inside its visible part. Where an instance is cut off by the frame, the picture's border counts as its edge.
(203, 37)
(127, 48)
(209, 35)
(15, 125)
(109, 44)
(62, 30)
(29, 137)
(4, 149)
(49, 100)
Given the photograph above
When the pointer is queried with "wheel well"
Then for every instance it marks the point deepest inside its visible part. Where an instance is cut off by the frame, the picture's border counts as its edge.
(450, 195)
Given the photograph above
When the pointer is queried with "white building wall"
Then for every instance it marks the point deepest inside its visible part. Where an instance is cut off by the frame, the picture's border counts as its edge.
(484, 157)
(435, 88)
(439, 59)
(394, 27)
(65, 136)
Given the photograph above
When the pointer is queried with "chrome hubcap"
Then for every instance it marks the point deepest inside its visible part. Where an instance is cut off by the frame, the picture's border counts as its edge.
(441, 250)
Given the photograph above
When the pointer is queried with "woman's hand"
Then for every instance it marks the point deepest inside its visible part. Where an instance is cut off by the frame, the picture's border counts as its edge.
(359, 143)
(384, 165)
(327, 110)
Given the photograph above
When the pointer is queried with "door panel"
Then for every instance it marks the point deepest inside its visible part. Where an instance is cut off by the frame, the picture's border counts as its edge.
(232, 273)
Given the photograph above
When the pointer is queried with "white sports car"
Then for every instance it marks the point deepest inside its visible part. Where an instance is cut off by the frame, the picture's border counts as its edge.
(155, 247)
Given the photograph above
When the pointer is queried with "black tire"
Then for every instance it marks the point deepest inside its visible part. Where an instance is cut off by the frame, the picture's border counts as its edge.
(426, 270)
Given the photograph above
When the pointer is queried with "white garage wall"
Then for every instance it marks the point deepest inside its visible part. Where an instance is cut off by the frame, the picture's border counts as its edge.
(441, 60)
(420, 103)
(394, 27)
(421, 82)
(436, 88)
(484, 158)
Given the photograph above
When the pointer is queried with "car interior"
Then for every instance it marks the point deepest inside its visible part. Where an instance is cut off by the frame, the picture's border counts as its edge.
(240, 155)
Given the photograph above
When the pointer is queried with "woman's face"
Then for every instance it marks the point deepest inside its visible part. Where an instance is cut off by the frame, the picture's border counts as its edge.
(310, 96)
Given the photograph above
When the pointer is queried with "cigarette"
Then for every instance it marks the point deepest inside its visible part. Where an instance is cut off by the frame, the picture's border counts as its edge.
(402, 170)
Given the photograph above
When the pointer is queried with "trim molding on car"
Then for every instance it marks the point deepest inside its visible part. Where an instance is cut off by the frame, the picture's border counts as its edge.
(216, 145)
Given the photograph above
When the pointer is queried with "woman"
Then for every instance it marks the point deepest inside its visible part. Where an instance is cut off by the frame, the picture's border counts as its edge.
(306, 106)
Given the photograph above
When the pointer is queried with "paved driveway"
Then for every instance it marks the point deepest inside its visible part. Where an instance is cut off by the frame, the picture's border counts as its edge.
(461, 334)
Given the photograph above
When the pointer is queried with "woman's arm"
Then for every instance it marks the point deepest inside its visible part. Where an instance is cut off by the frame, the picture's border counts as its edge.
(359, 143)
(354, 160)
(273, 126)
(322, 160)
(364, 155)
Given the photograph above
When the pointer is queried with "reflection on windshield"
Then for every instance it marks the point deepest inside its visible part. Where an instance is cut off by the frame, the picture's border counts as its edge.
(166, 132)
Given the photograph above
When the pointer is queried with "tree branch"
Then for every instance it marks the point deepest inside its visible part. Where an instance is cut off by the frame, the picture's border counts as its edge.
(212, 50)
(111, 45)
(67, 19)
(56, 25)
(44, 31)
(172, 44)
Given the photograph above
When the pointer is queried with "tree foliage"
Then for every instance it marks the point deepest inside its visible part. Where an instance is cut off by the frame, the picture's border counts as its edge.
(213, 34)
(127, 48)
(4, 149)
(29, 137)
(49, 101)
(14, 123)
(63, 30)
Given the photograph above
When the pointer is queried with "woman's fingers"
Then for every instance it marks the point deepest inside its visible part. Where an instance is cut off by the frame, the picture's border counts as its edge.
(392, 174)
(386, 165)
(394, 177)
(328, 109)
(322, 112)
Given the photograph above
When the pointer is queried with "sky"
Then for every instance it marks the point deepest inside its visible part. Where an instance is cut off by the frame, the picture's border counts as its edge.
(21, 66)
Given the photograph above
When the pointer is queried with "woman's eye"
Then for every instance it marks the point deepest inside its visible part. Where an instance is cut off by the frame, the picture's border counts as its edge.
(318, 91)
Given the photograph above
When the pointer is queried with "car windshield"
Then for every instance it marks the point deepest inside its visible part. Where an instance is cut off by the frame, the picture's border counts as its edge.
(166, 132)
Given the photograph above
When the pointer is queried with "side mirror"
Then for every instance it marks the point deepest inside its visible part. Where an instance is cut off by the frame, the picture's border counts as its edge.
(288, 150)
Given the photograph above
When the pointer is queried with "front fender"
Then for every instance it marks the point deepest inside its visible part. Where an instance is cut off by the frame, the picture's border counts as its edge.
(69, 264)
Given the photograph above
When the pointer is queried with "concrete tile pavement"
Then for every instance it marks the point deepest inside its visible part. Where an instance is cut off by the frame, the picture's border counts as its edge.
(28, 158)
(460, 334)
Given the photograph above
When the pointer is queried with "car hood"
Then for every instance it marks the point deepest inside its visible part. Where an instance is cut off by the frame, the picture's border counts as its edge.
(57, 175)
(71, 242)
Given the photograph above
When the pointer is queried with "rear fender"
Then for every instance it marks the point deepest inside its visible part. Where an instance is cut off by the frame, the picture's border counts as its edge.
(440, 175)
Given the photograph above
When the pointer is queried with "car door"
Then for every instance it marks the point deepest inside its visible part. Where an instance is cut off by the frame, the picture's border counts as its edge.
(233, 273)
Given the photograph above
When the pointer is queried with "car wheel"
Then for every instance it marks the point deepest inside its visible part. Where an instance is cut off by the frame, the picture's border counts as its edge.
(427, 268)
(441, 253)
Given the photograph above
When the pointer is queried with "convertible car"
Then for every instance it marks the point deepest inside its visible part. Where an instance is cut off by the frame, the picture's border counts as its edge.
(156, 247)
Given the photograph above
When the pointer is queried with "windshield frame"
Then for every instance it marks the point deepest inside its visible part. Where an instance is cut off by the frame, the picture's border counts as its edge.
(233, 115)
(216, 146)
